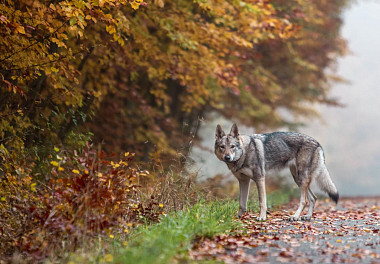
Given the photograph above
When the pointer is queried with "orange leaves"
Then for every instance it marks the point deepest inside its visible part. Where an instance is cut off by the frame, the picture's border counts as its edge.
(20, 29)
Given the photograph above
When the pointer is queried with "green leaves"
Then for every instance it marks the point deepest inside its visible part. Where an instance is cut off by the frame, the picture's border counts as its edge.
(73, 20)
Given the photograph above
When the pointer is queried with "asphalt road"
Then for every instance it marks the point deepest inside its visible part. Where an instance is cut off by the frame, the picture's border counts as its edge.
(346, 233)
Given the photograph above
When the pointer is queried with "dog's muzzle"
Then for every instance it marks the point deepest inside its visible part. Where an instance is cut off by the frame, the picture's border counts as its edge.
(228, 158)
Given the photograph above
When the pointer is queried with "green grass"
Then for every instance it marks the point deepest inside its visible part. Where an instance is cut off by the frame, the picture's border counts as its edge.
(173, 236)
(160, 243)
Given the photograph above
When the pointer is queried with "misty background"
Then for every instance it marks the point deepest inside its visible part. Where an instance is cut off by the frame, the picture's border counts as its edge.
(349, 135)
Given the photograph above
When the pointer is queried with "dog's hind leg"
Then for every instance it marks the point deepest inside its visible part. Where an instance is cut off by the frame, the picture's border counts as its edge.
(312, 199)
(293, 170)
(260, 183)
(303, 201)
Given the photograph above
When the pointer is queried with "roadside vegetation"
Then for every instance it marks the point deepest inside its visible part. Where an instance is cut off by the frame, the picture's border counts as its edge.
(172, 238)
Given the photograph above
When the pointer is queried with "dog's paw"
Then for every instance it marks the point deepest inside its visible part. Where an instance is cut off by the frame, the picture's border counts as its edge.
(241, 213)
(260, 218)
(293, 218)
(306, 218)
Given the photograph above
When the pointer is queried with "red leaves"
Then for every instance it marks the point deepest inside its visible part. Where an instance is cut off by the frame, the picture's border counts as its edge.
(348, 234)
(92, 196)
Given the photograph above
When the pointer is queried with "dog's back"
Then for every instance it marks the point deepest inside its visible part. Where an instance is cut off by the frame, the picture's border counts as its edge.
(281, 148)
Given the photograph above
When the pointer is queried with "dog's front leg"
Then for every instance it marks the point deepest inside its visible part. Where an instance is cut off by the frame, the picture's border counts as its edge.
(260, 183)
(244, 190)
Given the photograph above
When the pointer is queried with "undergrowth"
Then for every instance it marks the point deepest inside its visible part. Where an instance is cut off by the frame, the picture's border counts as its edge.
(172, 237)
(83, 199)
(169, 240)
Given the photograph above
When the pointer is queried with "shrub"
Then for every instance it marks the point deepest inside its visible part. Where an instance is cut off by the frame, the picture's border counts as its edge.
(83, 196)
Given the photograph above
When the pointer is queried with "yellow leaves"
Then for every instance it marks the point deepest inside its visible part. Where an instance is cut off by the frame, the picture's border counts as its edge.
(118, 39)
(110, 29)
(52, 6)
(75, 171)
(33, 187)
(161, 205)
(112, 236)
(135, 5)
(60, 169)
(20, 29)
(56, 149)
(108, 258)
(115, 165)
(59, 42)
(54, 163)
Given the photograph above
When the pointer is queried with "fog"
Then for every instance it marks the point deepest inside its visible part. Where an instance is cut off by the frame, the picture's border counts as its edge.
(350, 135)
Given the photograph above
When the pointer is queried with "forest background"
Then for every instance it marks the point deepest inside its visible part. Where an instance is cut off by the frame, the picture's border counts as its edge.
(132, 78)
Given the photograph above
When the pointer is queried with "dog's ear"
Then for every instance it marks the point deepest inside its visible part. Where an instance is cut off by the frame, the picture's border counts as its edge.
(219, 133)
(234, 131)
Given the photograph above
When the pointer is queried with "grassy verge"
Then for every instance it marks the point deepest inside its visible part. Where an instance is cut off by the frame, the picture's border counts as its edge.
(174, 235)
(160, 243)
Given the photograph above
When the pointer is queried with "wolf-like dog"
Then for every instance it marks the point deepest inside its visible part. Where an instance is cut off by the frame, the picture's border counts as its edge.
(250, 157)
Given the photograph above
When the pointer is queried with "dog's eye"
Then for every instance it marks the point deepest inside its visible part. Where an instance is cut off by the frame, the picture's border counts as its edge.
(222, 147)
(232, 146)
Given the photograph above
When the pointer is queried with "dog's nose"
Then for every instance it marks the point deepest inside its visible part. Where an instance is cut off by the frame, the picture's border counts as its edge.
(227, 158)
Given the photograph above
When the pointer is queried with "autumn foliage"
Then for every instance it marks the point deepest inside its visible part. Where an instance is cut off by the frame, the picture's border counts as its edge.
(137, 75)
(86, 195)
(140, 74)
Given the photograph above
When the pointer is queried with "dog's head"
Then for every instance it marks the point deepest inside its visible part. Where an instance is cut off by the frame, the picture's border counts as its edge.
(228, 148)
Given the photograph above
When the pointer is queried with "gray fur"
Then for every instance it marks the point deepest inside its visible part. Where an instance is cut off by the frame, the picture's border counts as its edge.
(250, 157)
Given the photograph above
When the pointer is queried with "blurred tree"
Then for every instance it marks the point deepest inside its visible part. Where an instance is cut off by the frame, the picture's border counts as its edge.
(248, 60)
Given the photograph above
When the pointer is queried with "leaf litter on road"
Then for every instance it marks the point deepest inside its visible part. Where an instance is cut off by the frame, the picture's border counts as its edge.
(348, 232)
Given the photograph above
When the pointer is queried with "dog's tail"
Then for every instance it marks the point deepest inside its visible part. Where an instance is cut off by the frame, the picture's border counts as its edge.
(323, 178)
